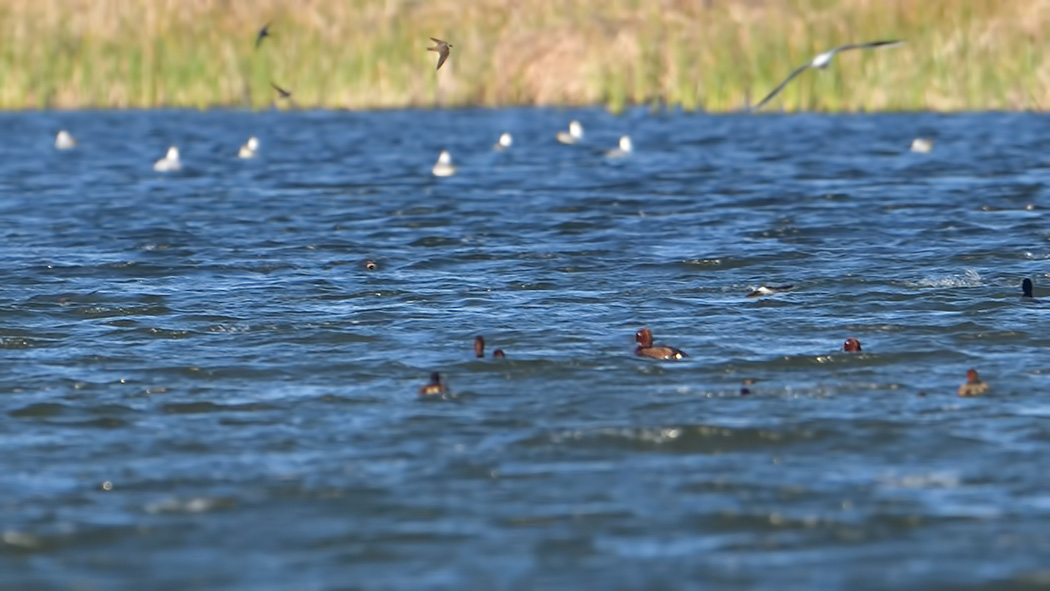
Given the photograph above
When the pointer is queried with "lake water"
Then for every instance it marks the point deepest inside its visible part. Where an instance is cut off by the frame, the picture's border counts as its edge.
(204, 387)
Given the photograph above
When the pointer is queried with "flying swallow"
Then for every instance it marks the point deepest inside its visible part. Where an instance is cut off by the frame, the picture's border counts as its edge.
(263, 33)
(281, 93)
(442, 50)
(820, 62)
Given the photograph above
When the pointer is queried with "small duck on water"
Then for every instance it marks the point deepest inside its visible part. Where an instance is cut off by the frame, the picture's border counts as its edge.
(64, 141)
(433, 388)
(973, 386)
(644, 338)
(626, 148)
(249, 149)
(505, 142)
(573, 136)
(444, 166)
(851, 345)
(170, 162)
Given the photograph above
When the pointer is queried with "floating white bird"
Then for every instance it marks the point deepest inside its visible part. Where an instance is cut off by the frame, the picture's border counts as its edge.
(505, 141)
(922, 145)
(625, 149)
(821, 62)
(573, 136)
(65, 141)
(170, 162)
(443, 166)
(763, 290)
(249, 149)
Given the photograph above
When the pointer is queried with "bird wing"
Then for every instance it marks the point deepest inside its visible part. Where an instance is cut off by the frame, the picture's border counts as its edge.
(263, 33)
(284, 93)
(438, 41)
(780, 87)
(866, 45)
(441, 60)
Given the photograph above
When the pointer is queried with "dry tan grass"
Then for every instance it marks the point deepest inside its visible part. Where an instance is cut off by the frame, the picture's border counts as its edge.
(711, 54)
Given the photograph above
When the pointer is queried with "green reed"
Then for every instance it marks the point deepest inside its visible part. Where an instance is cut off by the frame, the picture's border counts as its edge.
(718, 56)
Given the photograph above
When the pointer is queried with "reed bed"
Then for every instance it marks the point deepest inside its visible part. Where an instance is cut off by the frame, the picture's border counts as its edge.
(716, 55)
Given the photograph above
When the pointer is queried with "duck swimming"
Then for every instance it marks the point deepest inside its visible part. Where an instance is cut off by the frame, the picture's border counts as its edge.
(434, 387)
(1026, 289)
(479, 349)
(573, 136)
(249, 149)
(922, 145)
(625, 148)
(170, 162)
(763, 290)
(64, 141)
(505, 141)
(644, 338)
(851, 345)
(973, 386)
(444, 166)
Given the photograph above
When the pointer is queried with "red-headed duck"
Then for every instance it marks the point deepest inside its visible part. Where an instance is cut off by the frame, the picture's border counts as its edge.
(434, 388)
(851, 345)
(644, 338)
(763, 290)
(479, 349)
(973, 386)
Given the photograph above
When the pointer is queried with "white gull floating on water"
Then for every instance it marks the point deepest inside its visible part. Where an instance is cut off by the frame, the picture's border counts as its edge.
(65, 141)
(573, 136)
(444, 166)
(250, 148)
(505, 141)
(625, 149)
(170, 162)
(820, 62)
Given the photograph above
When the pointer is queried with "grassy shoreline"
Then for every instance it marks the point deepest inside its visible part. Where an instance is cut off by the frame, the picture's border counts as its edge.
(357, 54)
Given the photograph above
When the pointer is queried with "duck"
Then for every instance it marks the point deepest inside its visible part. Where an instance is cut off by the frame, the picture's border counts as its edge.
(763, 290)
(505, 141)
(479, 349)
(249, 149)
(624, 149)
(851, 345)
(434, 387)
(170, 162)
(922, 145)
(1026, 289)
(65, 141)
(644, 338)
(573, 136)
(973, 386)
(444, 166)
(745, 386)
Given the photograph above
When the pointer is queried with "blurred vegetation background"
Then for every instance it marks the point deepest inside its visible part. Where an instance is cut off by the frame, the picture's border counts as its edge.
(715, 55)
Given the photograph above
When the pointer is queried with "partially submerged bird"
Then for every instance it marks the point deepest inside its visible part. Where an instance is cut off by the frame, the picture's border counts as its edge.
(624, 149)
(479, 349)
(573, 136)
(645, 348)
(820, 62)
(64, 141)
(263, 33)
(973, 386)
(170, 162)
(1026, 289)
(763, 290)
(434, 387)
(442, 48)
(922, 145)
(249, 149)
(505, 141)
(851, 345)
(443, 166)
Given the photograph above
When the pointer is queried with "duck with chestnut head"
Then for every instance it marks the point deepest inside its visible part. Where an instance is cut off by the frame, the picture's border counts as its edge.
(646, 348)
(973, 386)
(434, 387)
